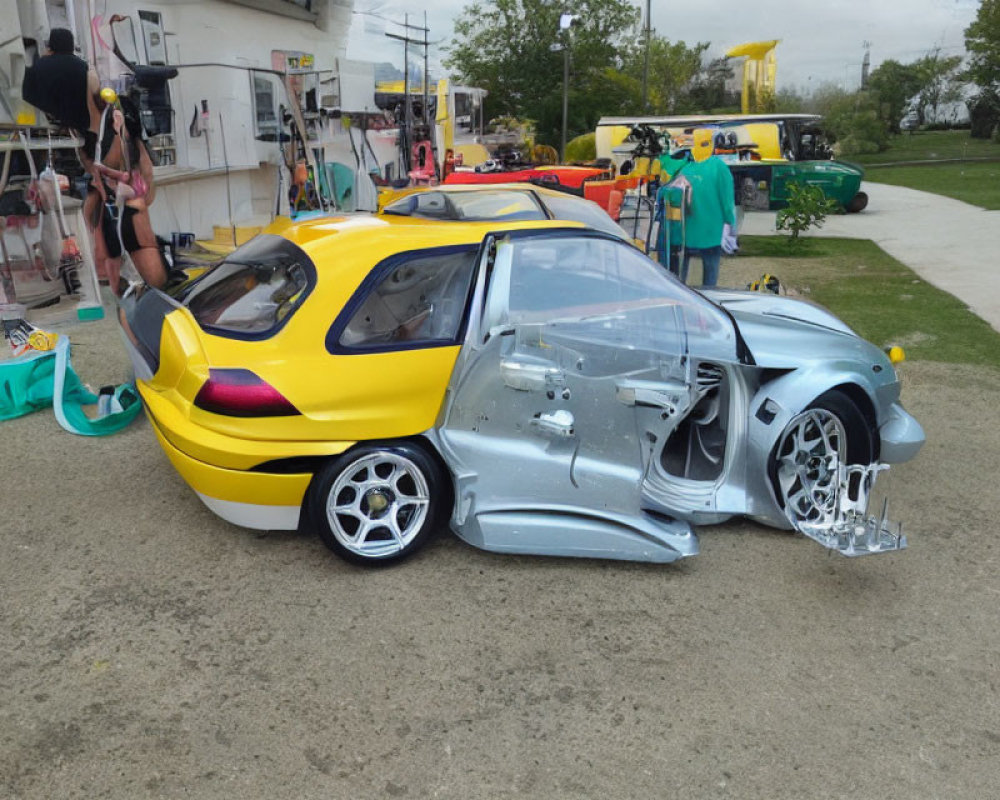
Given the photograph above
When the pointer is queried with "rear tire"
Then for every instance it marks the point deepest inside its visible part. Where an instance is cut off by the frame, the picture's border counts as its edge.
(378, 503)
(857, 203)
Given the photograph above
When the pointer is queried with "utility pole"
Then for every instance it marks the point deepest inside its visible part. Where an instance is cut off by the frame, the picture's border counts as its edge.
(565, 23)
(426, 112)
(565, 109)
(407, 105)
(407, 113)
(645, 61)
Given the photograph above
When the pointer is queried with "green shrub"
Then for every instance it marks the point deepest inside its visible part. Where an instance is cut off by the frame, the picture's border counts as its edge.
(858, 131)
(807, 206)
(854, 145)
(582, 148)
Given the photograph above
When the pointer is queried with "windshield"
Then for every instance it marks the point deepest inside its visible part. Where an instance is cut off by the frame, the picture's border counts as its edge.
(571, 279)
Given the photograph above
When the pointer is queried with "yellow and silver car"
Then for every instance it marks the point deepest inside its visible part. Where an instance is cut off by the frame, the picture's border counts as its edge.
(542, 386)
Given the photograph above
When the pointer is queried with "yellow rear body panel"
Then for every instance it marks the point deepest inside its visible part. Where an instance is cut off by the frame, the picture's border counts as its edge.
(236, 486)
(343, 398)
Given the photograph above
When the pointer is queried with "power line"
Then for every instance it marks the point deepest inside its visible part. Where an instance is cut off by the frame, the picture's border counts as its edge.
(406, 25)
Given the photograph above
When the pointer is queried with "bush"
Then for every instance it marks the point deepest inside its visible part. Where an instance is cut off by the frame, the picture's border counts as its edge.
(857, 130)
(852, 145)
(807, 206)
(984, 114)
(582, 148)
(948, 126)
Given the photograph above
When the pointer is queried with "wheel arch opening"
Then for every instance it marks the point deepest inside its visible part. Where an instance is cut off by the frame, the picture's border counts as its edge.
(864, 404)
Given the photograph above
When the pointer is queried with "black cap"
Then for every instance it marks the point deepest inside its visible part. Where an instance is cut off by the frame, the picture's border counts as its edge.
(60, 40)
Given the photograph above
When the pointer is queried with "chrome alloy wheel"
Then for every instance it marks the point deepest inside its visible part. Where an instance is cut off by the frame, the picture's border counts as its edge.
(378, 504)
(809, 454)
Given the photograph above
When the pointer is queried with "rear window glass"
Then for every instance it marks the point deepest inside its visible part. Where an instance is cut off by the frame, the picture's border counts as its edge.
(419, 300)
(254, 290)
(469, 205)
(577, 209)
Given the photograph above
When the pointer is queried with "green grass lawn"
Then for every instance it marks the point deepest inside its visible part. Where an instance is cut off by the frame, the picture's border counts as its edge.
(975, 182)
(880, 298)
(931, 145)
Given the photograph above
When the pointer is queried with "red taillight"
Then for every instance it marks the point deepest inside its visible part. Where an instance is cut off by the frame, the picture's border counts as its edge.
(241, 393)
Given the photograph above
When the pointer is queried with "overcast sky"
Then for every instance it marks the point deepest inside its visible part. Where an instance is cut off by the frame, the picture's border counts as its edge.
(820, 41)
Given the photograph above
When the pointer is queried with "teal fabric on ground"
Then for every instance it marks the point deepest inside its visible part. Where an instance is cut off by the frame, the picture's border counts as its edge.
(69, 409)
(38, 380)
(26, 385)
(712, 203)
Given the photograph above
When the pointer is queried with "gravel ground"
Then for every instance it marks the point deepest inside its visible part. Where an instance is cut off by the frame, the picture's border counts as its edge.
(148, 649)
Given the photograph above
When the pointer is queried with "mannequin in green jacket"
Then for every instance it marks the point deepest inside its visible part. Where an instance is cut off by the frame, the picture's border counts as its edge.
(709, 207)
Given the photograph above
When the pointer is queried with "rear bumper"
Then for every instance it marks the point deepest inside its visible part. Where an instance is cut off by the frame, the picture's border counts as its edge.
(260, 500)
(901, 435)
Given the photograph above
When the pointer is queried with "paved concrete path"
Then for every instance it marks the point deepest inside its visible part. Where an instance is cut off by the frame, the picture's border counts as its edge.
(951, 244)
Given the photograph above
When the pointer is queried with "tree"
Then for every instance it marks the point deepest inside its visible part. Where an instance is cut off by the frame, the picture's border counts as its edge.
(982, 40)
(850, 119)
(939, 83)
(707, 90)
(892, 86)
(508, 48)
(984, 114)
(789, 101)
(672, 65)
(513, 49)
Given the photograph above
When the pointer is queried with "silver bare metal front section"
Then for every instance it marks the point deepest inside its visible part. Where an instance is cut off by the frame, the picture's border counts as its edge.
(848, 528)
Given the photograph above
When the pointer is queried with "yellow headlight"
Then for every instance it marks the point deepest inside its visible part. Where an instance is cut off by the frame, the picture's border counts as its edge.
(896, 354)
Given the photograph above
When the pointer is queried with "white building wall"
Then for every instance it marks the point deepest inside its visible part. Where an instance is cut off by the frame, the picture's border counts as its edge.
(214, 44)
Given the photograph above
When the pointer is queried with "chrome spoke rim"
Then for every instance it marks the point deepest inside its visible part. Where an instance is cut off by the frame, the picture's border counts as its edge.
(378, 504)
(809, 456)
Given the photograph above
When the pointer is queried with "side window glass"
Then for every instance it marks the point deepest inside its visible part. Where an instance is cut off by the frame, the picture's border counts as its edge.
(566, 277)
(607, 289)
(420, 300)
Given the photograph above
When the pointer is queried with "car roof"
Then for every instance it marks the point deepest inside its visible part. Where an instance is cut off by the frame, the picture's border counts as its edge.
(462, 188)
(379, 237)
(557, 204)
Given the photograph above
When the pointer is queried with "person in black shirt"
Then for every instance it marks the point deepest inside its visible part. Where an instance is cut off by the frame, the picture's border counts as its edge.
(57, 83)
(62, 85)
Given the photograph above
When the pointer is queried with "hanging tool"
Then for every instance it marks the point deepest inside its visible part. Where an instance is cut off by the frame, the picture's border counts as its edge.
(300, 124)
(229, 193)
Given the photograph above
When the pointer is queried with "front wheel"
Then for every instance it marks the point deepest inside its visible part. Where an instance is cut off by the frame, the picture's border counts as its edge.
(378, 503)
(805, 465)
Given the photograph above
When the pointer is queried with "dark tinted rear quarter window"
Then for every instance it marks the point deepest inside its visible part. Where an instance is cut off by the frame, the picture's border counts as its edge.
(415, 299)
(254, 291)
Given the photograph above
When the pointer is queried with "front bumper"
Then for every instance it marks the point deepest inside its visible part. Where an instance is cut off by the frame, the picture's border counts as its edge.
(260, 500)
(901, 435)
